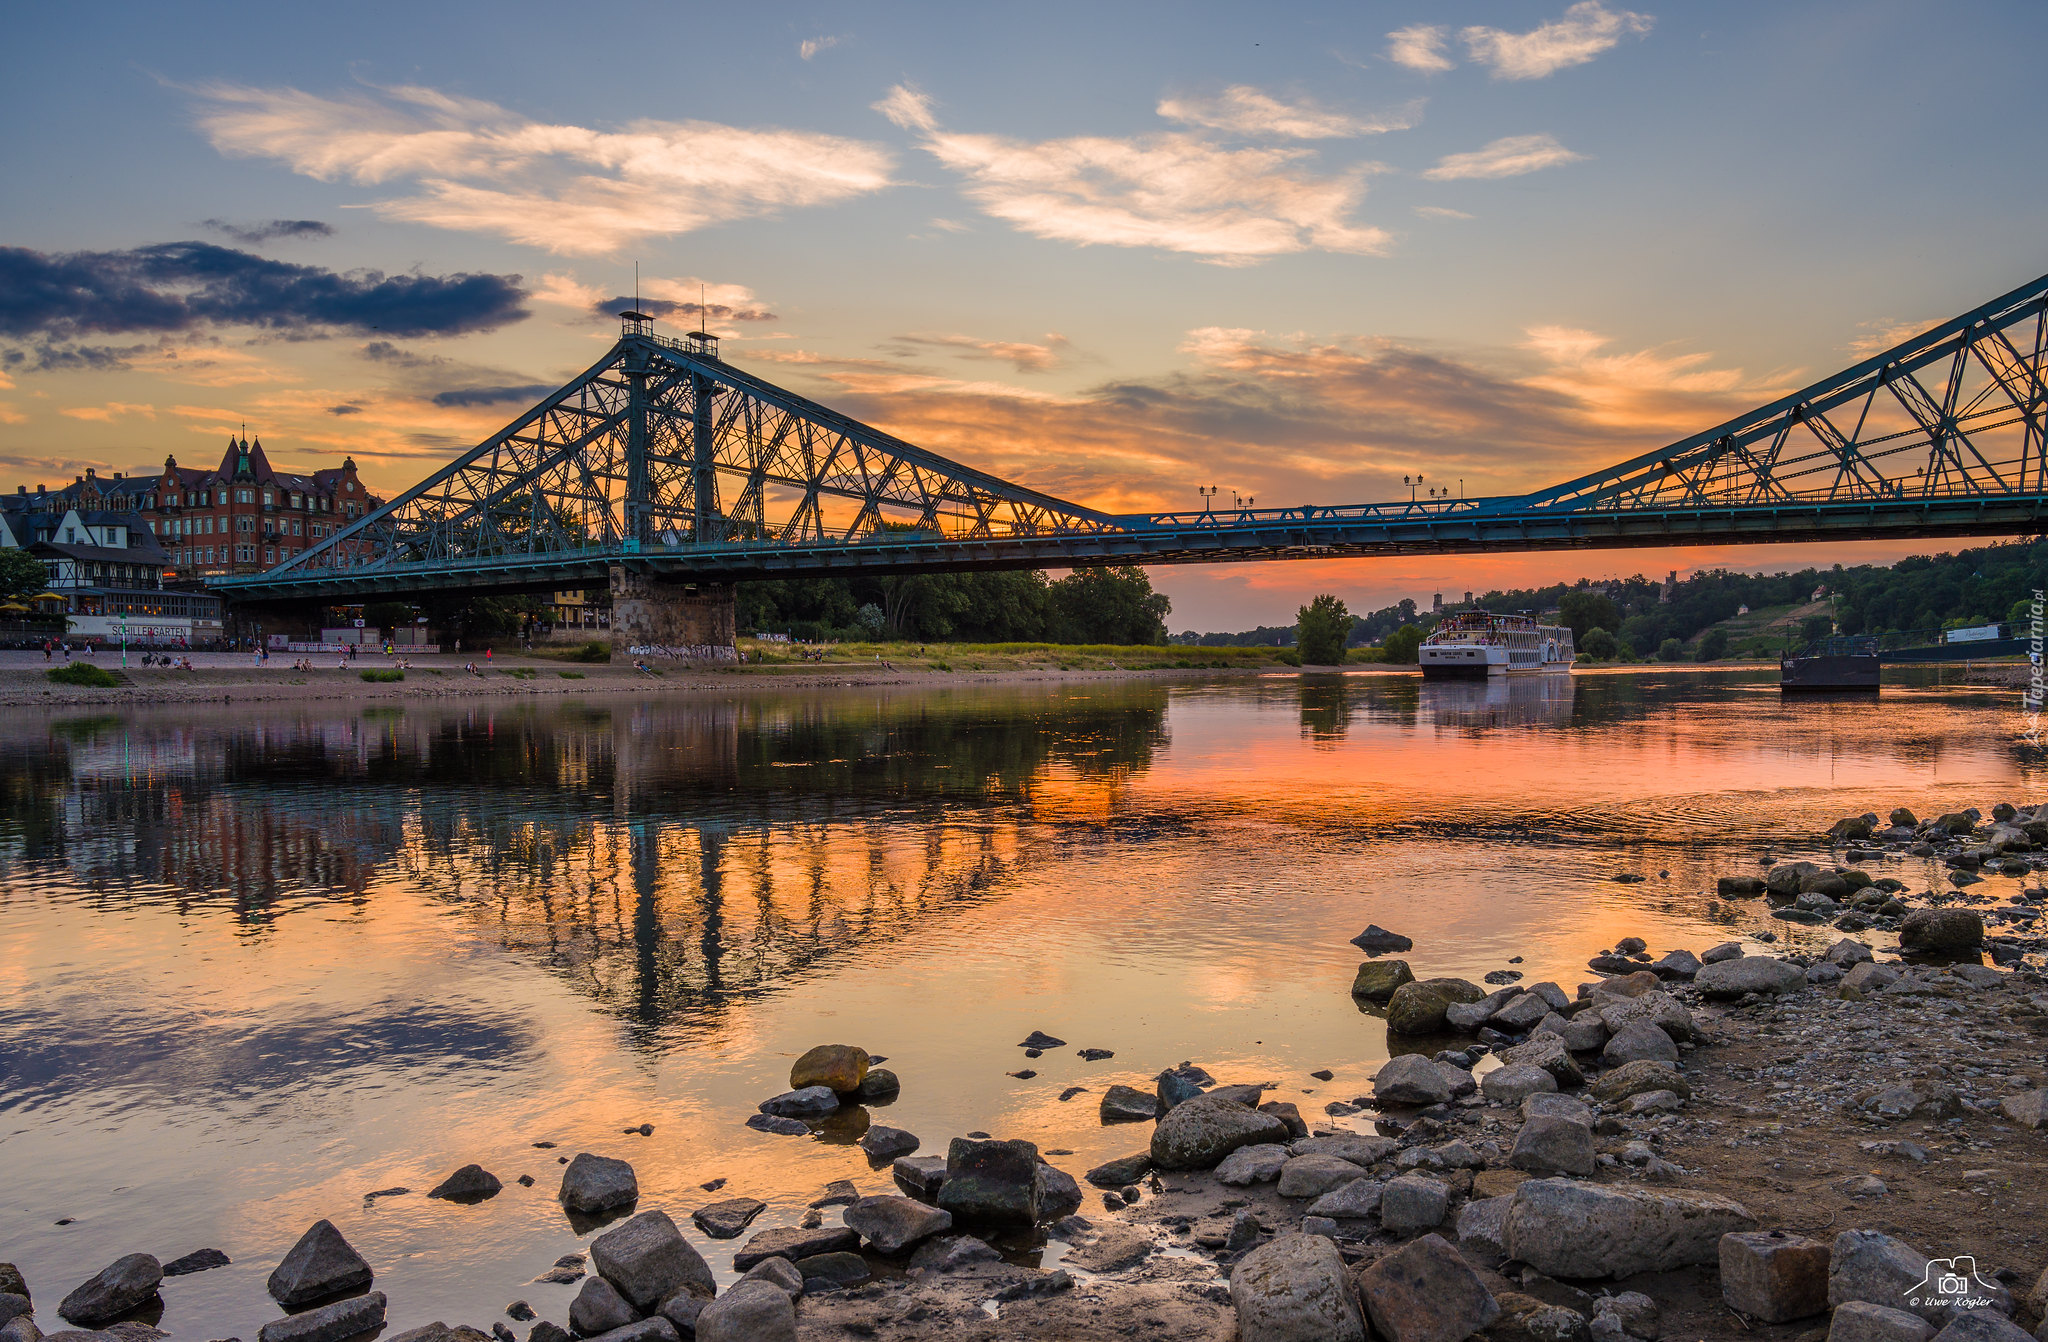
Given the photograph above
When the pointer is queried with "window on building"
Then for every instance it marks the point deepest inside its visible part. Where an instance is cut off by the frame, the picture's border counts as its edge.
(269, 555)
(245, 496)
(298, 528)
(269, 497)
(295, 498)
(245, 524)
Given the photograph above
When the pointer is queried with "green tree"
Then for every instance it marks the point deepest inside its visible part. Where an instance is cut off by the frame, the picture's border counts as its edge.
(1109, 605)
(387, 614)
(1320, 631)
(1598, 644)
(2021, 617)
(1670, 650)
(1400, 645)
(21, 574)
(1585, 611)
(1713, 645)
(1815, 626)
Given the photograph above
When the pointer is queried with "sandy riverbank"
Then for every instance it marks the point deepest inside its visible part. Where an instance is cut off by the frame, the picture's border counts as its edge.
(218, 678)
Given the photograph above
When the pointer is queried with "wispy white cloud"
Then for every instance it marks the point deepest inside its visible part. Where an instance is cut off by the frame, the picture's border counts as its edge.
(950, 226)
(1244, 110)
(1440, 212)
(1174, 191)
(1587, 29)
(478, 167)
(1510, 156)
(811, 46)
(1024, 356)
(1420, 47)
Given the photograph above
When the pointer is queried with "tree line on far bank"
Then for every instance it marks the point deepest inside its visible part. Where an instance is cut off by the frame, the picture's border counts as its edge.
(1630, 619)
(1095, 605)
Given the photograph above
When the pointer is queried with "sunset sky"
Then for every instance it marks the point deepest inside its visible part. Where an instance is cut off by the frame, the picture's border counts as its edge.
(1111, 251)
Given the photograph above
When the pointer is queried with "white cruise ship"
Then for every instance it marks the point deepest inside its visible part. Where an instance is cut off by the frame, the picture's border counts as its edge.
(1475, 644)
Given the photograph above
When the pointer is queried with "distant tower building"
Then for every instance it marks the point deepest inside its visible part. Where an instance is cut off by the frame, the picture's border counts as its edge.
(1670, 587)
(1468, 598)
(1436, 604)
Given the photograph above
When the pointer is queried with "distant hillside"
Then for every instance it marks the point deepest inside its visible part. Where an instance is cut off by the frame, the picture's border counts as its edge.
(1988, 585)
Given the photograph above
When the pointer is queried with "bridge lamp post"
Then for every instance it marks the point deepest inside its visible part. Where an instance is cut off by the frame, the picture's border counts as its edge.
(1413, 482)
(1208, 493)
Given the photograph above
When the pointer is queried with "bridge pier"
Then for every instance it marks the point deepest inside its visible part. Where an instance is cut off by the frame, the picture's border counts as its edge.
(695, 620)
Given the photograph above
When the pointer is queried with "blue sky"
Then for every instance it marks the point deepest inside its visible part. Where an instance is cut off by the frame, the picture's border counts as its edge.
(1113, 251)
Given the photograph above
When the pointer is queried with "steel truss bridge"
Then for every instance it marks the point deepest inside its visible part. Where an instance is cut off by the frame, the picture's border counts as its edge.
(666, 461)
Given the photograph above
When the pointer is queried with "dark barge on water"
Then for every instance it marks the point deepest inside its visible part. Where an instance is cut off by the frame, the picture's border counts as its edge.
(1840, 662)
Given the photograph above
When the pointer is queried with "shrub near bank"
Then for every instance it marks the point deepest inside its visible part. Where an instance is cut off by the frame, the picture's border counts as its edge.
(85, 674)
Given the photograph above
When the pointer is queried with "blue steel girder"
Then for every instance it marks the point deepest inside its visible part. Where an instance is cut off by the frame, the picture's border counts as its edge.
(663, 458)
(1886, 455)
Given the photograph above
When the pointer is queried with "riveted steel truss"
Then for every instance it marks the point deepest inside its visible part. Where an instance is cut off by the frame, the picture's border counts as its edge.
(659, 448)
(1954, 412)
(665, 458)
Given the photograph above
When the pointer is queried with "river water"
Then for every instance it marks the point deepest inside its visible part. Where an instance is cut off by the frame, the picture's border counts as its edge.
(256, 963)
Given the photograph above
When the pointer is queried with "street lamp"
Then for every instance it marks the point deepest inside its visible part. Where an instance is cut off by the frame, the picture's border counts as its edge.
(1413, 482)
(124, 640)
(1208, 492)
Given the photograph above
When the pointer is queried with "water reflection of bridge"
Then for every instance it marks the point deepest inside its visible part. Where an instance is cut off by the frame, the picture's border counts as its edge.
(662, 857)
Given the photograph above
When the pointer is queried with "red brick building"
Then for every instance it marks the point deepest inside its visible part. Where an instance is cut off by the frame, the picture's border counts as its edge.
(243, 516)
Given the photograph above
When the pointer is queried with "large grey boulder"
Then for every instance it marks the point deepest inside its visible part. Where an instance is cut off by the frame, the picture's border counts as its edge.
(1259, 1164)
(1549, 1053)
(892, 1224)
(1413, 1202)
(1201, 1132)
(1426, 1292)
(1983, 1325)
(809, 1102)
(996, 1182)
(1313, 1176)
(592, 1184)
(599, 1308)
(795, 1244)
(1639, 1078)
(329, 1323)
(471, 1183)
(114, 1290)
(1418, 1008)
(1872, 1267)
(1657, 1008)
(1860, 1321)
(1639, 1041)
(1410, 1079)
(320, 1265)
(1482, 1223)
(1378, 980)
(660, 1328)
(1357, 1148)
(752, 1311)
(1548, 1144)
(13, 1306)
(728, 1219)
(1942, 930)
(648, 1259)
(1295, 1289)
(1128, 1104)
(1350, 1202)
(1512, 1085)
(1569, 1229)
(1750, 974)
